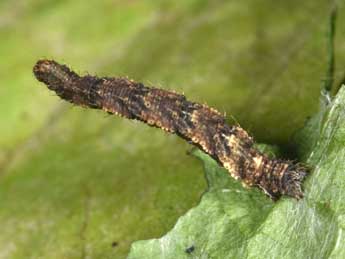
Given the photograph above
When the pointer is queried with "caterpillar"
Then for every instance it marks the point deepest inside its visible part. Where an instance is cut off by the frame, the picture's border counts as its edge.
(203, 126)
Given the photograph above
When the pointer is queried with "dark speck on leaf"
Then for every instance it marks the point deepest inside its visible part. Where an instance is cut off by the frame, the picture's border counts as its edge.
(190, 249)
(114, 244)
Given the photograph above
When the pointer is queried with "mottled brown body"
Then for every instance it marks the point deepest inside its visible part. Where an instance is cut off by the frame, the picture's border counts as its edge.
(205, 127)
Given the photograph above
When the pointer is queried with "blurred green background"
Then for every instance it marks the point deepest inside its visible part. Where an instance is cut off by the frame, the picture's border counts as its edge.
(77, 183)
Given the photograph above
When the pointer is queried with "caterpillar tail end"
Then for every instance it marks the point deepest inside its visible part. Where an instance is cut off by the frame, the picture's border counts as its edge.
(292, 180)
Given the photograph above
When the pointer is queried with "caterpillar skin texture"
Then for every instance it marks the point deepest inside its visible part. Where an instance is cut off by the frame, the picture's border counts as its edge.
(201, 125)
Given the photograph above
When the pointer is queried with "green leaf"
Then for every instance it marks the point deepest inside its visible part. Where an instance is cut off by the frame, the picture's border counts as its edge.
(231, 222)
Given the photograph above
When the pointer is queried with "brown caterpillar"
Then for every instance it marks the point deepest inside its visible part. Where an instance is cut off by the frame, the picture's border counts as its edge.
(203, 126)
